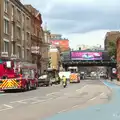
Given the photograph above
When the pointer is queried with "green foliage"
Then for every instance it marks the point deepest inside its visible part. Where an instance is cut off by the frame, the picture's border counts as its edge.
(112, 48)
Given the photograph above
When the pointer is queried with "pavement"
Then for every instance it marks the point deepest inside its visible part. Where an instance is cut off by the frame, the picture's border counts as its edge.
(54, 102)
(114, 81)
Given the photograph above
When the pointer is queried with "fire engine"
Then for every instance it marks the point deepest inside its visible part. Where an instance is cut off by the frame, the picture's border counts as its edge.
(17, 75)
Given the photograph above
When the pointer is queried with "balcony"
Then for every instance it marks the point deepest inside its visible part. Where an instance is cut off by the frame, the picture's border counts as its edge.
(37, 39)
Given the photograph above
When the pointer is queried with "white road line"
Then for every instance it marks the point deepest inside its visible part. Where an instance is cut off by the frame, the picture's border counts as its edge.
(102, 94)
(97, 96)
(41, 101)
(75, 106)
(24, 100)
(8, 106)
(93, 98)
(62, 111)
(52, 93)
(5, 109)
(78, 90)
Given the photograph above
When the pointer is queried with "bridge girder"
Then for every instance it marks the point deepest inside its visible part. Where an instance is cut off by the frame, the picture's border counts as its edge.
(89, 63)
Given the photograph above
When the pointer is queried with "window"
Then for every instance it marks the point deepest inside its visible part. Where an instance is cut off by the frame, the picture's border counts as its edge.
(6, 6)
(18, 32)
(6, 26)
(23, 19)
(22, 52)
(28, 20)
(12, 10)
(28, 35)
(13, 48)
(28, 54)
(18, 51)
(6, 46)
(12, 30)
(37, 32)
(18, 15)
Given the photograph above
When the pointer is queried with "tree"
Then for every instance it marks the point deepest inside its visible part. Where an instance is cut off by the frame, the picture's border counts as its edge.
(112, 49)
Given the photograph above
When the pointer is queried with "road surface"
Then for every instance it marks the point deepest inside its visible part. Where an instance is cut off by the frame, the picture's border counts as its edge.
(108, 111)
(46, 102)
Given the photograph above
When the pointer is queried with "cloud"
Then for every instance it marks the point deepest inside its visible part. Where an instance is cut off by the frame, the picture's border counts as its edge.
(79, 17)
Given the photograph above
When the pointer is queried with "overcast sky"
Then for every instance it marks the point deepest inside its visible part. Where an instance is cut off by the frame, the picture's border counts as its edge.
(81, 21)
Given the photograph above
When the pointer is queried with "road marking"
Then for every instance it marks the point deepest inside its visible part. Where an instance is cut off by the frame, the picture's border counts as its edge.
(75, 106)
(52, 93)
(7, 106)
(24, 100)
(102, 94)
(93, 98)
(78, 90)
(41, 101)
(62, 111)
(97, 96)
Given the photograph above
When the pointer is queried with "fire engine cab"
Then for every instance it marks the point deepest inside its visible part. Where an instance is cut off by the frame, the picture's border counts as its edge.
(17, 75)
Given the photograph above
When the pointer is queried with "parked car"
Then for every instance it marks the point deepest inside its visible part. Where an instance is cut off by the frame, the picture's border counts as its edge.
(44, 80)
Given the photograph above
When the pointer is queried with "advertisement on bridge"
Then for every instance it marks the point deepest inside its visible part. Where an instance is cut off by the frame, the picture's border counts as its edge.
(77, 55)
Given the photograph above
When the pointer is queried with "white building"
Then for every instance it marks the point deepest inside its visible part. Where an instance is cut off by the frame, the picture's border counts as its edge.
(86, 47)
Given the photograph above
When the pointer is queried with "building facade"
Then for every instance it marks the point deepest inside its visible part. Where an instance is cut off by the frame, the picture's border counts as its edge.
(110, 36)
(56, 36)
(36, 36)
(118, 57)
(58, 41)
(55, 57)
(21, 34)
(15, 30)
(45, 50)
(87, 47)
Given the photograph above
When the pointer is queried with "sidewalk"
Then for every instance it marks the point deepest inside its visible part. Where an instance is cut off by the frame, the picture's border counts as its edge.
(115, 82)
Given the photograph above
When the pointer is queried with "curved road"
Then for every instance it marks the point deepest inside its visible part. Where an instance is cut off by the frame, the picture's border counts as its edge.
(108, 111)
(48, 101)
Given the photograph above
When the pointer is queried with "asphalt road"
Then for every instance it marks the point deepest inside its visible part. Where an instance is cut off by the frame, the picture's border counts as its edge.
(48, 101)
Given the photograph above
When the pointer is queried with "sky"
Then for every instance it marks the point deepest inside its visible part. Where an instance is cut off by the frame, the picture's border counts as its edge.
(81, 21)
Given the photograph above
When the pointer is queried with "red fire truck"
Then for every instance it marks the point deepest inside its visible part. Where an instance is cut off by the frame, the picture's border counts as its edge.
(17, 75)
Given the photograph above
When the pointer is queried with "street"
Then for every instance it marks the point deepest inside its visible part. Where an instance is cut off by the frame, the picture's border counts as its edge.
(48, 101)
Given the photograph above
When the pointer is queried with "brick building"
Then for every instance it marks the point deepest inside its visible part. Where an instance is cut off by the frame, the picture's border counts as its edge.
(15, 30)
(36, 36)
(39, 40)
(110, 36)
(118, 57)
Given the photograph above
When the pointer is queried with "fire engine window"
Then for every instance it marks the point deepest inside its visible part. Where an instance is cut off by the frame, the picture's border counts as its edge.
(1, 61)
